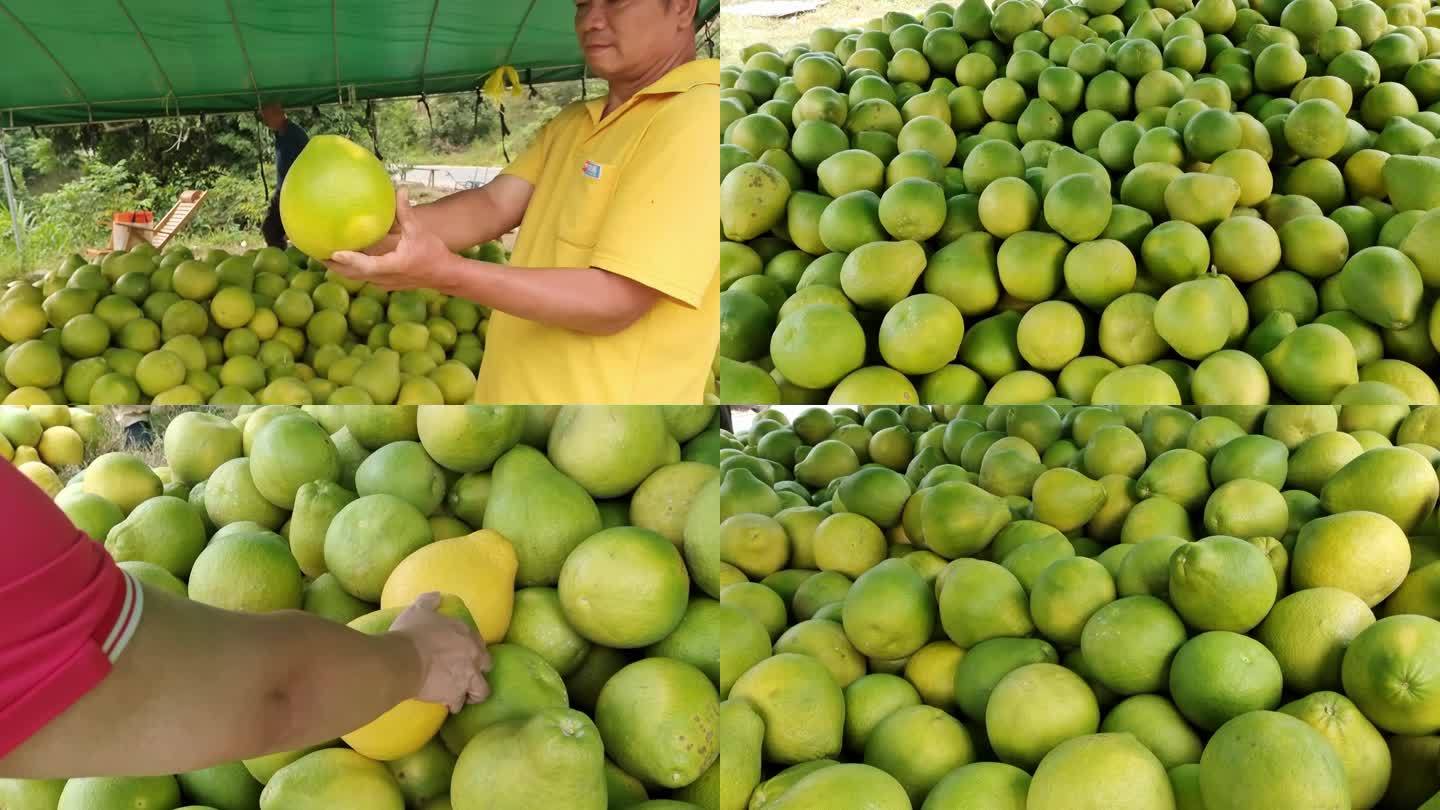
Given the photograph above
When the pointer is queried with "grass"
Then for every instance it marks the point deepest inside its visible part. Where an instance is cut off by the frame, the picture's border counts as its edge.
(737, 31)
(112, 438)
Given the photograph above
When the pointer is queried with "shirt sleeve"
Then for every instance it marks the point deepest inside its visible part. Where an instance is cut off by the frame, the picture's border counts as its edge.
(531, 162)
(70, 611)
(660, 226)
(289, 142)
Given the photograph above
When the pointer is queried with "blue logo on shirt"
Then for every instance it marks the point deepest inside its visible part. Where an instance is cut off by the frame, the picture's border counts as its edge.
(592, 170)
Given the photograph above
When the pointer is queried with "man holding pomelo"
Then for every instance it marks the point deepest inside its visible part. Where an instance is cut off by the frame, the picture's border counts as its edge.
(612, 295)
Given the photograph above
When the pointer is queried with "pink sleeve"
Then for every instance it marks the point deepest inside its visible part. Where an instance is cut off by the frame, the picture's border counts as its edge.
(69, 611)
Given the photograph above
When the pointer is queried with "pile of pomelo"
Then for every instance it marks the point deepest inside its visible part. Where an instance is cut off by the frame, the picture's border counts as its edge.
(43, 439)
(268, 326)
(1045, 607)
(1115, 201)
(592, 573)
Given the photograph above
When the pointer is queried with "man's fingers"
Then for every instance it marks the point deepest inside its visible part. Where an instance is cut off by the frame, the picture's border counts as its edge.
(403, 214)
(428, 601)
(479, 690)
(387, 243)
(348, 262)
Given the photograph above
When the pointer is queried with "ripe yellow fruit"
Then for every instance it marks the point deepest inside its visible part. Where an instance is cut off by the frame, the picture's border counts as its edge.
(479, 568)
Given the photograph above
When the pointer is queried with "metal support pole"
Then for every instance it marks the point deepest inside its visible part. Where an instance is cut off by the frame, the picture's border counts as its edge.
(14, 207)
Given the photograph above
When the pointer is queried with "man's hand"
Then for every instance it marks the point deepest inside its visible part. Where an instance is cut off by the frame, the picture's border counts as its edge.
(453, 658)
(418, 258)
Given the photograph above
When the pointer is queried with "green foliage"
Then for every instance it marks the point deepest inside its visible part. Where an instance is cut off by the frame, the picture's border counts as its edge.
(82, 205)
(235, 202)
(73, 216)
(70, 179)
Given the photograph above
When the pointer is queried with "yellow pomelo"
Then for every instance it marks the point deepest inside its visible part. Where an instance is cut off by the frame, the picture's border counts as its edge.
(479, 568)
(402, 730)
(337, 196)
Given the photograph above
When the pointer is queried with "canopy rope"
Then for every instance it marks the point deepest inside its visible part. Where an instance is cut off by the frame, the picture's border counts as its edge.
(244, 52)
(425, 53)
(425, 103)
(374, 129)
(335, 51)
(154, 60)
(260, 164)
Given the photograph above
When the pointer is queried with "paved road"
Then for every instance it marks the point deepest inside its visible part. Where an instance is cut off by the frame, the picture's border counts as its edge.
(449, 178)
(772, 8)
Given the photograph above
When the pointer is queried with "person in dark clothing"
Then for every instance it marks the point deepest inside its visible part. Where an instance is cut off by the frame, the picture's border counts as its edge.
(290, 138)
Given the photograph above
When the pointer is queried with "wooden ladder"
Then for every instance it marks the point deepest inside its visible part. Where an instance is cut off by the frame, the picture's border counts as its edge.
(160, 233)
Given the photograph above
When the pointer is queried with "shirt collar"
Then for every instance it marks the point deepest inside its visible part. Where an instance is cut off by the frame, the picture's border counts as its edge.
(686, 76)
(690, 75)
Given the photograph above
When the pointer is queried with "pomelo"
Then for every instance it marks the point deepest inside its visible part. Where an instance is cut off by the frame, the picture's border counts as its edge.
(149, 791)
(834, 785)
(802, 706)
(424, 776)
(1265, 759)
(608, 450)
(524, 482)
(469, 438)
(1219, 675)
(521, 683)
(659, 719)
(165, 531)
(624, 587)
(1386, 671)
(479, 568)
(539, 624)
(1095, 771)
(316, 505)
(196, 443)
(122, 479)
(403, 729)
(662, 502)
(1021, 735)
(890, 748)
(369, 538)
(1159, 726)
(247, 570)
(330, 777)
(404, 470)
(289, 452)
(332, 168)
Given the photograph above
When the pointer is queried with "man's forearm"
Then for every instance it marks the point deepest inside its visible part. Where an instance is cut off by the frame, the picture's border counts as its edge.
(466, 218)
(587, 300)
(381, 672)
(198, 686)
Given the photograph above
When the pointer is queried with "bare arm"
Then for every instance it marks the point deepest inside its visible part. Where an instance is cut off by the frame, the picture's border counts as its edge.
(583, 299)
(200, 686)
(469, 217)
(588, 300)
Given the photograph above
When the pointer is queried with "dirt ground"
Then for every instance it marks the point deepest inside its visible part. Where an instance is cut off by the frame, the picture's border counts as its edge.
(149, 445)
(737, 30)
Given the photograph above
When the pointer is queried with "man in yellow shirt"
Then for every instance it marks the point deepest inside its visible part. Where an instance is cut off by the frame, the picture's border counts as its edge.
(612, 295)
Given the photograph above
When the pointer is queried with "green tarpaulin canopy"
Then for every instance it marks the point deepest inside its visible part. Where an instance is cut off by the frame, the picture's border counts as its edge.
(78, 61)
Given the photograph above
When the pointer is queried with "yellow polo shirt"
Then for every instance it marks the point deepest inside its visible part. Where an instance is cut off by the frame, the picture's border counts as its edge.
(634, 193)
